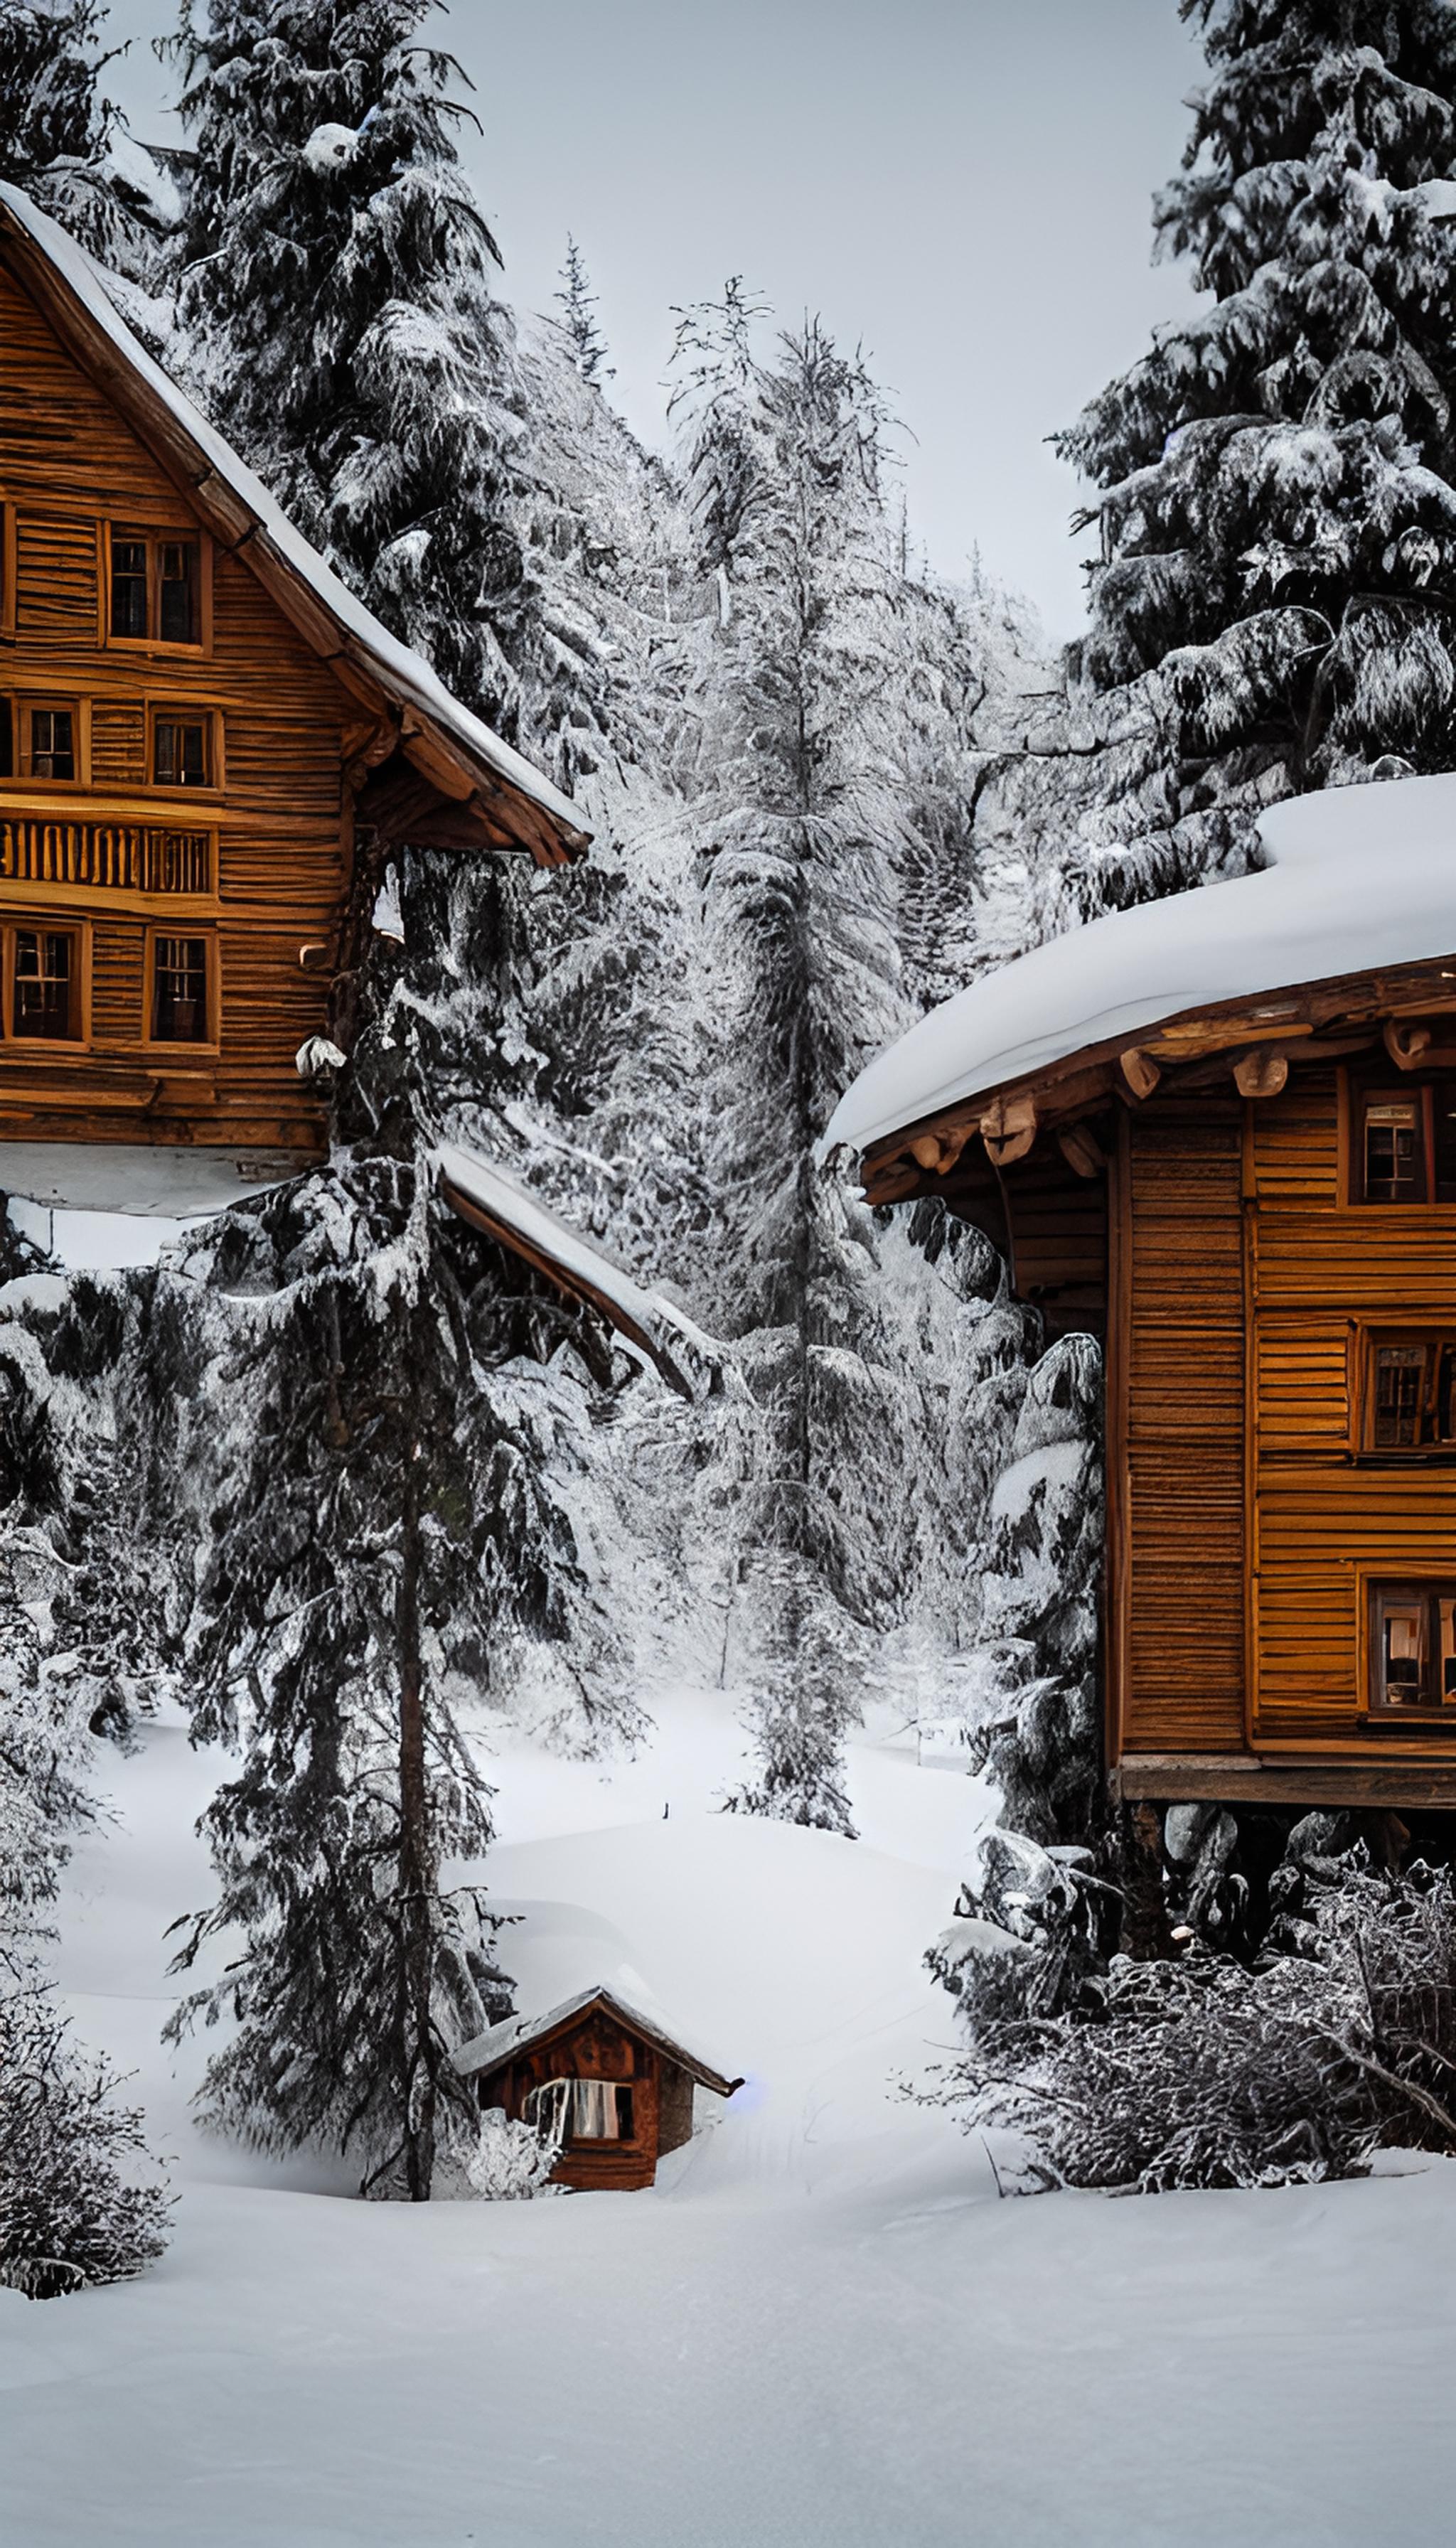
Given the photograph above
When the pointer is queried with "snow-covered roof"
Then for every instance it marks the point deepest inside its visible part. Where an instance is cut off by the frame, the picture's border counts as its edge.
(484, 1194)
(489, 2051)
(1357, 878)
(214, 472)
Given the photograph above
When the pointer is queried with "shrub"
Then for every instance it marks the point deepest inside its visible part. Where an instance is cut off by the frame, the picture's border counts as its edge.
(511, 2161)
(67, 2216)
(1203, 2072)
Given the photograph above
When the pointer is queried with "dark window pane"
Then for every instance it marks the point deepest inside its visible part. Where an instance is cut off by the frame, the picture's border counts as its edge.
(179, 1009)
(7, 741)
(1447, 1394)
(1392, 1151)
(179, 592)
(181, 752)
(1400, 1386)
(44, 985)
(1403, 1643)
(53, 744)
(128, 588)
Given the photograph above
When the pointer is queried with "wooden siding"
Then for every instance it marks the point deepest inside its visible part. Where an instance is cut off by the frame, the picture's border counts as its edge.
(593, 2046)
(1180, 1437)
(68, 465)
(1246, 1520)
(1324, 1518)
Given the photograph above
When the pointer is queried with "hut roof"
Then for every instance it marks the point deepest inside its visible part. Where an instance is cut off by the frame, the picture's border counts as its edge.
(484, 1195)
(450, 746)
(500, 2044)
(1357, 881)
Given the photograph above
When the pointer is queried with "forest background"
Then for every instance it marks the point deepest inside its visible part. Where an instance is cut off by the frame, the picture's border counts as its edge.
(827, 788)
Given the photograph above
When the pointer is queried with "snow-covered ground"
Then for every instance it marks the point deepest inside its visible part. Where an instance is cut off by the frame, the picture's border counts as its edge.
(822, 2325)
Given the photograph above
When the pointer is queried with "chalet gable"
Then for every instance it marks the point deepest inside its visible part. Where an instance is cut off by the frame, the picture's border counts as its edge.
(428, 769)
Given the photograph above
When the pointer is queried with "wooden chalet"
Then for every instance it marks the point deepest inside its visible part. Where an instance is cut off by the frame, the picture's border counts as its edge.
(207, 749)
(617, 2089)
(1220, 1131)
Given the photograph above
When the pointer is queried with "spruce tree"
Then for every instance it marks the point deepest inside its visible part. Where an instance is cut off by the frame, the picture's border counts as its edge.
(1277, 577)
(579, 303)
(55, 127)
(335, 286)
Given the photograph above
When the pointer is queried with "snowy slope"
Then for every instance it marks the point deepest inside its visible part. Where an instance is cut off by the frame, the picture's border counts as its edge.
(821, 2327)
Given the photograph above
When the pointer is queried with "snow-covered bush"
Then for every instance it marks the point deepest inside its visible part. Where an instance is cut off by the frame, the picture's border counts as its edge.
(511, 2161)
(1203, 2072)
(68, 2214)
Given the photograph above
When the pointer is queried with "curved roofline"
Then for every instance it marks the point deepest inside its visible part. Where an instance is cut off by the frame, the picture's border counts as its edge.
(243, 516)
(1357, 879)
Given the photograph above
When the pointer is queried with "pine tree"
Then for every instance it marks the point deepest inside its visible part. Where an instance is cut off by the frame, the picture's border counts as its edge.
(1274, 607)
(55, 125)
(336, 289)
(578, 302)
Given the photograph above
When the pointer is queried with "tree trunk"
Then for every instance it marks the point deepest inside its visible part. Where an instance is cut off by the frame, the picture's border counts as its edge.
(417, 1869)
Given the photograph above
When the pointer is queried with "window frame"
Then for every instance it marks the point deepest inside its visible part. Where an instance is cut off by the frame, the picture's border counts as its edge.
(8, 564)
(69, 924)
(207, 1045)
(185, 712)
(1432, 1335)
(1415, 1093)
(571, 2140)
(1376, 1588)
(142, 526)
(23, 706)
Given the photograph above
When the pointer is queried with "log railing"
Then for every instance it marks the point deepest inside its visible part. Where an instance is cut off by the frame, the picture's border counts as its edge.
(129, 858)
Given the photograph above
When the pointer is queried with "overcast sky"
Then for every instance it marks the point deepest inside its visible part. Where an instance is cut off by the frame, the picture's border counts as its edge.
(960, 186)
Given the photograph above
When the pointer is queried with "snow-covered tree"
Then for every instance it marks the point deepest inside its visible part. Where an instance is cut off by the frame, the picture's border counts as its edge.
(336, 304)
(58, 128)
(578, 307)
(1273, 606)
(70, 2214)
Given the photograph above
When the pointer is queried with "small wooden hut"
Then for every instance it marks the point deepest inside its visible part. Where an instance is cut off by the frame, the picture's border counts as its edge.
(1221, 1131)
(606, 2079)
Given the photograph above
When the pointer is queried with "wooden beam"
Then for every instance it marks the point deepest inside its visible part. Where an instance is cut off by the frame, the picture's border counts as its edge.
(1234, 1779)
(1008, 1128)
(1138, 1071)
(1264, 1072)
(1081, 1149)
(1407, 1045)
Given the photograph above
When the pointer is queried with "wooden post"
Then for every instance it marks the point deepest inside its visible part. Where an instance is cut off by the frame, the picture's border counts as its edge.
(1147, 1934)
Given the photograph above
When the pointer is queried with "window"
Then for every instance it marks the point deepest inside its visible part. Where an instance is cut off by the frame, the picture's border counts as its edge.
(155, 588)
(53, 743)
(1393, 1153)
(1409, 1391)
(44, 1001)
(1412, 1648)
(42, 739)
(582, 2110)
(1405, 1144)
(181, 749)
(179, 990)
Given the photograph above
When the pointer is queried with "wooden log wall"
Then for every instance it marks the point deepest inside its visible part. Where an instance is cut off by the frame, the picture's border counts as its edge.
(594, 2046)
(68, 465)
(1321, 1269)
(1245, 1517)
(1176, 1437)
